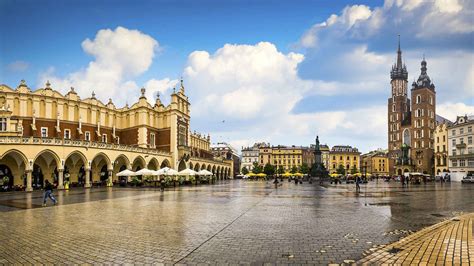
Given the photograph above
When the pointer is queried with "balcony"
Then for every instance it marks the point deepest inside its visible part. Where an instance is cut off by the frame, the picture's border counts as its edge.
(79, 143)
(462, 156)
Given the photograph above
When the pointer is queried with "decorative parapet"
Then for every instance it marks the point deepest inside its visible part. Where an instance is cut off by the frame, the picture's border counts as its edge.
(78, 143)
(215, 160)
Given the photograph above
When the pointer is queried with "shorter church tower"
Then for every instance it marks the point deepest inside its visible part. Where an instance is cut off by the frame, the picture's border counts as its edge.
(423, 97)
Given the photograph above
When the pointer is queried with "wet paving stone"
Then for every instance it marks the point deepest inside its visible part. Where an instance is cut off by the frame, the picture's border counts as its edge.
(232, 222)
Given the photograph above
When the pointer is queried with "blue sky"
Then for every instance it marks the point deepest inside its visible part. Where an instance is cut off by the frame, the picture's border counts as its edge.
(276, 71)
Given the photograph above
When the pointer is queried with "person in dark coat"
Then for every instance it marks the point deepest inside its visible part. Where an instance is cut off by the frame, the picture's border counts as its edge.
(48, 193)
(358, 180)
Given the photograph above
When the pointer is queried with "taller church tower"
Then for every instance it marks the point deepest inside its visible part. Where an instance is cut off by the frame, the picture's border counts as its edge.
(399, 112)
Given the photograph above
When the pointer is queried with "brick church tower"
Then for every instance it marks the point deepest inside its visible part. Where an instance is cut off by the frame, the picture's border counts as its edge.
(423, 117)
(411, 123)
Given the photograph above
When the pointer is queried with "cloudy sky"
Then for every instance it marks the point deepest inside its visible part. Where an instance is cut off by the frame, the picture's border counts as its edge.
(273, 71)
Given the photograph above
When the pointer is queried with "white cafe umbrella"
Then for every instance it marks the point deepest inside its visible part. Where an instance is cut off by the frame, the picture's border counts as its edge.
(204, 172)
(187, 172)
(126, 172)
(166, 171)
(145, 171)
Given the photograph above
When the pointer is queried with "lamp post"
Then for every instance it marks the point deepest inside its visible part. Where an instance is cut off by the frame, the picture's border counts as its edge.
(366, 184)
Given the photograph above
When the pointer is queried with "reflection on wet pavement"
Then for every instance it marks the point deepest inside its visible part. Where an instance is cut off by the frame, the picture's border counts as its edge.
(230, 222)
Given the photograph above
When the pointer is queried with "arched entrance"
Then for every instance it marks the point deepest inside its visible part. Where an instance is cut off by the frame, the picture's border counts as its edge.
(74, 169)
(165, 163)
(121, 163)
(45, 167)
(399, 172)
(181, 166)
(100, 166)
(138, 164)
(196, 167)
(13, 166)
(153, 164)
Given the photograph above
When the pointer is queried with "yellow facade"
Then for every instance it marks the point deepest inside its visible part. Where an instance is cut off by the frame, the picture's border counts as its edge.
(59, 136)
(375, 164)
(346, 156)
(265, 155)
(441, 148)
(287, 157)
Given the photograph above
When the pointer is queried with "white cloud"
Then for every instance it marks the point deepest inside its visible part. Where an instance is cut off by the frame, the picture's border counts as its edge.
(448, 6)
(451, 110)
(355, 13)
(244, 81)
(119, 55)
(18, 66)
(161, 86)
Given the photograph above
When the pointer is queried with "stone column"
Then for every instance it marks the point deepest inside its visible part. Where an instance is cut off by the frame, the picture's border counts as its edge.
(88, 178)
(29, 186)
(110, 178)
(60, 178)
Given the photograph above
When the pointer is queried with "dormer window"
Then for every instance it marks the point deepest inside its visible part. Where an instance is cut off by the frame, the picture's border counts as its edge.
(44, 132)
(67, 134)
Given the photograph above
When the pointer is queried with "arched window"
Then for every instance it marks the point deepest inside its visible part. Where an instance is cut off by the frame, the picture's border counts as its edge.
(65, 111)
(42, 109)
(418, 98)
(393, 107)
(406, 137)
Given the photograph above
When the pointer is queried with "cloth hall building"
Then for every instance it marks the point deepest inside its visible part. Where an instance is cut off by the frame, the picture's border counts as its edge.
(47, 135)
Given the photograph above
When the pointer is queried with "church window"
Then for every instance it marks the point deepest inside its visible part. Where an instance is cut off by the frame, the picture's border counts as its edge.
(393, 107)
(431, 100)
(418, 98)
(182, 135)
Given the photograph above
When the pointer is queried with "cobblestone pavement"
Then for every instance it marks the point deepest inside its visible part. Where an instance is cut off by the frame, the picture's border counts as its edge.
(236, 222)
(445, 243)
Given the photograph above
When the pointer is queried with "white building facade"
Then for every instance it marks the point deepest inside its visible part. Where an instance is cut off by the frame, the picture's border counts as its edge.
(251, 155)
(461, 147)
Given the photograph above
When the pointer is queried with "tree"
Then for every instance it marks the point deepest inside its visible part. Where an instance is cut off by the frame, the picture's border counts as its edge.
(340, 170)
(281, 170)
(304, 168)
(269, 169)
(294, 169)
(354, 170)
(245, 170)
(257, 169)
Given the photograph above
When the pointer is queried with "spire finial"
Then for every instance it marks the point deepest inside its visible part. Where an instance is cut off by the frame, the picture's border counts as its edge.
(142, 90)
(399, 52)
(181, 88)
(93, 95)
(398, 42)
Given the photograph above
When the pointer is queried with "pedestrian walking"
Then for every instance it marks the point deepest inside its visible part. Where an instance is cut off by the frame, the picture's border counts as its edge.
(358, 184)
(48, 193)
(162, 184)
